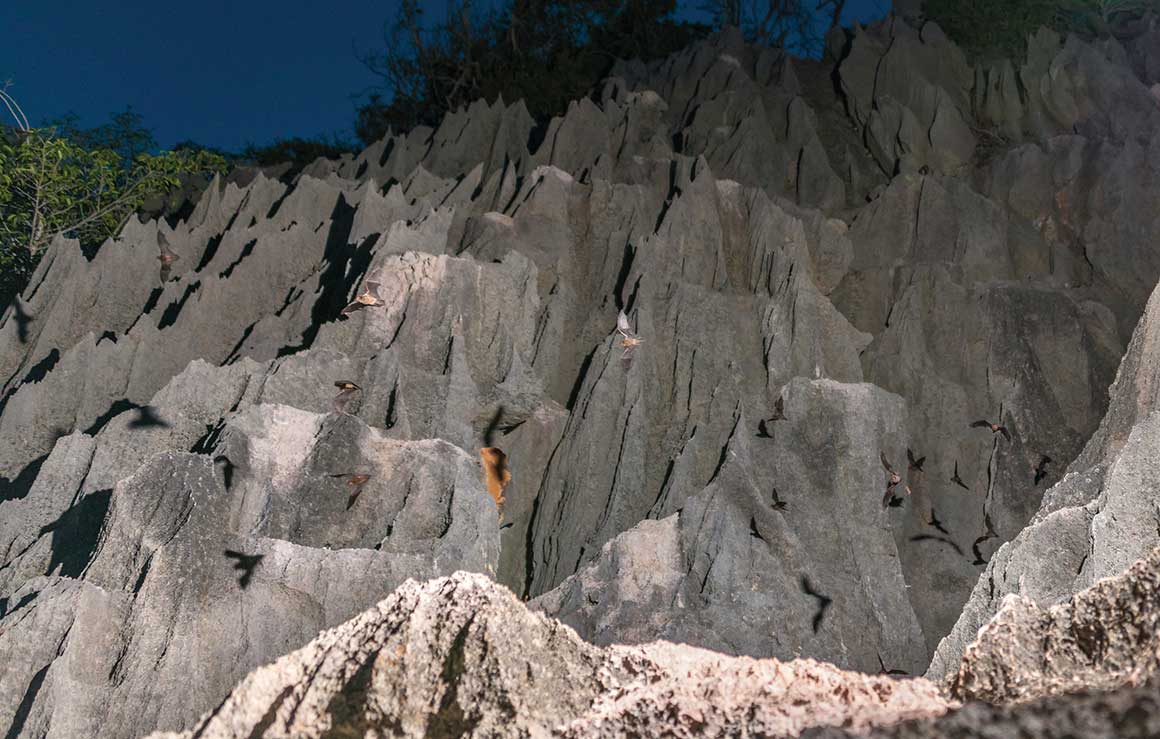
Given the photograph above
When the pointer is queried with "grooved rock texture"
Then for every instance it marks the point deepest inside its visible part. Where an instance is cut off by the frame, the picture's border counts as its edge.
(1103, 515)
(842, 237)
(461, 656)
(1085, 667)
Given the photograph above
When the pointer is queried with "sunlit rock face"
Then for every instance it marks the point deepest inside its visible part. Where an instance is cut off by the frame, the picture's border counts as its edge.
(888, 246)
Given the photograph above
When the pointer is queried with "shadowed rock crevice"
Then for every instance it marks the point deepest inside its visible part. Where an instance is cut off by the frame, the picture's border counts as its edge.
(838, 267)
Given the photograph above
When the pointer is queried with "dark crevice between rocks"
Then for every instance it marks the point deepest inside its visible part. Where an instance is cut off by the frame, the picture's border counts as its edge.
(574, 395)
(390, 147)
(391, 418)
(450, 720)
(43, 268)
(211, 249)
(658, 502)
(622, 278)
(35, 374)
(152, 300)
(208, 441)
(278, 203)
(90, 250)
(631, 300)
(76, 532)
(4, 610)
(18, 487)
(117, 408)
(246, 251)
(291, 295)
(347, 708)
(174, 308)
(537, 135)
(271, 714)
(670, 197)
(26, 703)
(530, 535)
(343, 268)
(234, 354)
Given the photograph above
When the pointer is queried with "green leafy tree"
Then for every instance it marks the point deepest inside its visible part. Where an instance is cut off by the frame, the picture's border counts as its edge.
(76, 182)
(49, 185)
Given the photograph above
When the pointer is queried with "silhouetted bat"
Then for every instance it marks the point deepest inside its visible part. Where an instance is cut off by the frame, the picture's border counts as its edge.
(914, 464)
(823, 602)
(778, 415)
(943, 539)
(778, 503)
(244, 563)
(1041, 468)
(369, 297)
(346, 391)
(936, 523)
(753, 528)
(166, 257)
(147, 418)
(958, 480)
(995, 428)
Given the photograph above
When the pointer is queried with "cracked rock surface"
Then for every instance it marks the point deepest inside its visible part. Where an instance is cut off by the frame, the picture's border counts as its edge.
(890, 244)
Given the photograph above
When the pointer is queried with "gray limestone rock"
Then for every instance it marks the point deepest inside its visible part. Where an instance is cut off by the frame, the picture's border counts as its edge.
(460, 656)
(891, 242)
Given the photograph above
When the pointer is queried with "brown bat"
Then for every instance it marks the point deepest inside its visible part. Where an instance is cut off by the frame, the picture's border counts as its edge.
(958, 480)
(995, 428)
(166, 257)
(369, 297)
(629, 340)
(1041, 468)
(894, 481)
(346, 390)
(496, 474)
(355, 484)
(912, 463)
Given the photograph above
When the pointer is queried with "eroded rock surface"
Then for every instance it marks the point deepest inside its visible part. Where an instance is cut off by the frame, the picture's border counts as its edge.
(868, 253)
(461, 656)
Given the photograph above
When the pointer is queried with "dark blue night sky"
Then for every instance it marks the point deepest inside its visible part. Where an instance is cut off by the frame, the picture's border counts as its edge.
(222, 72)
